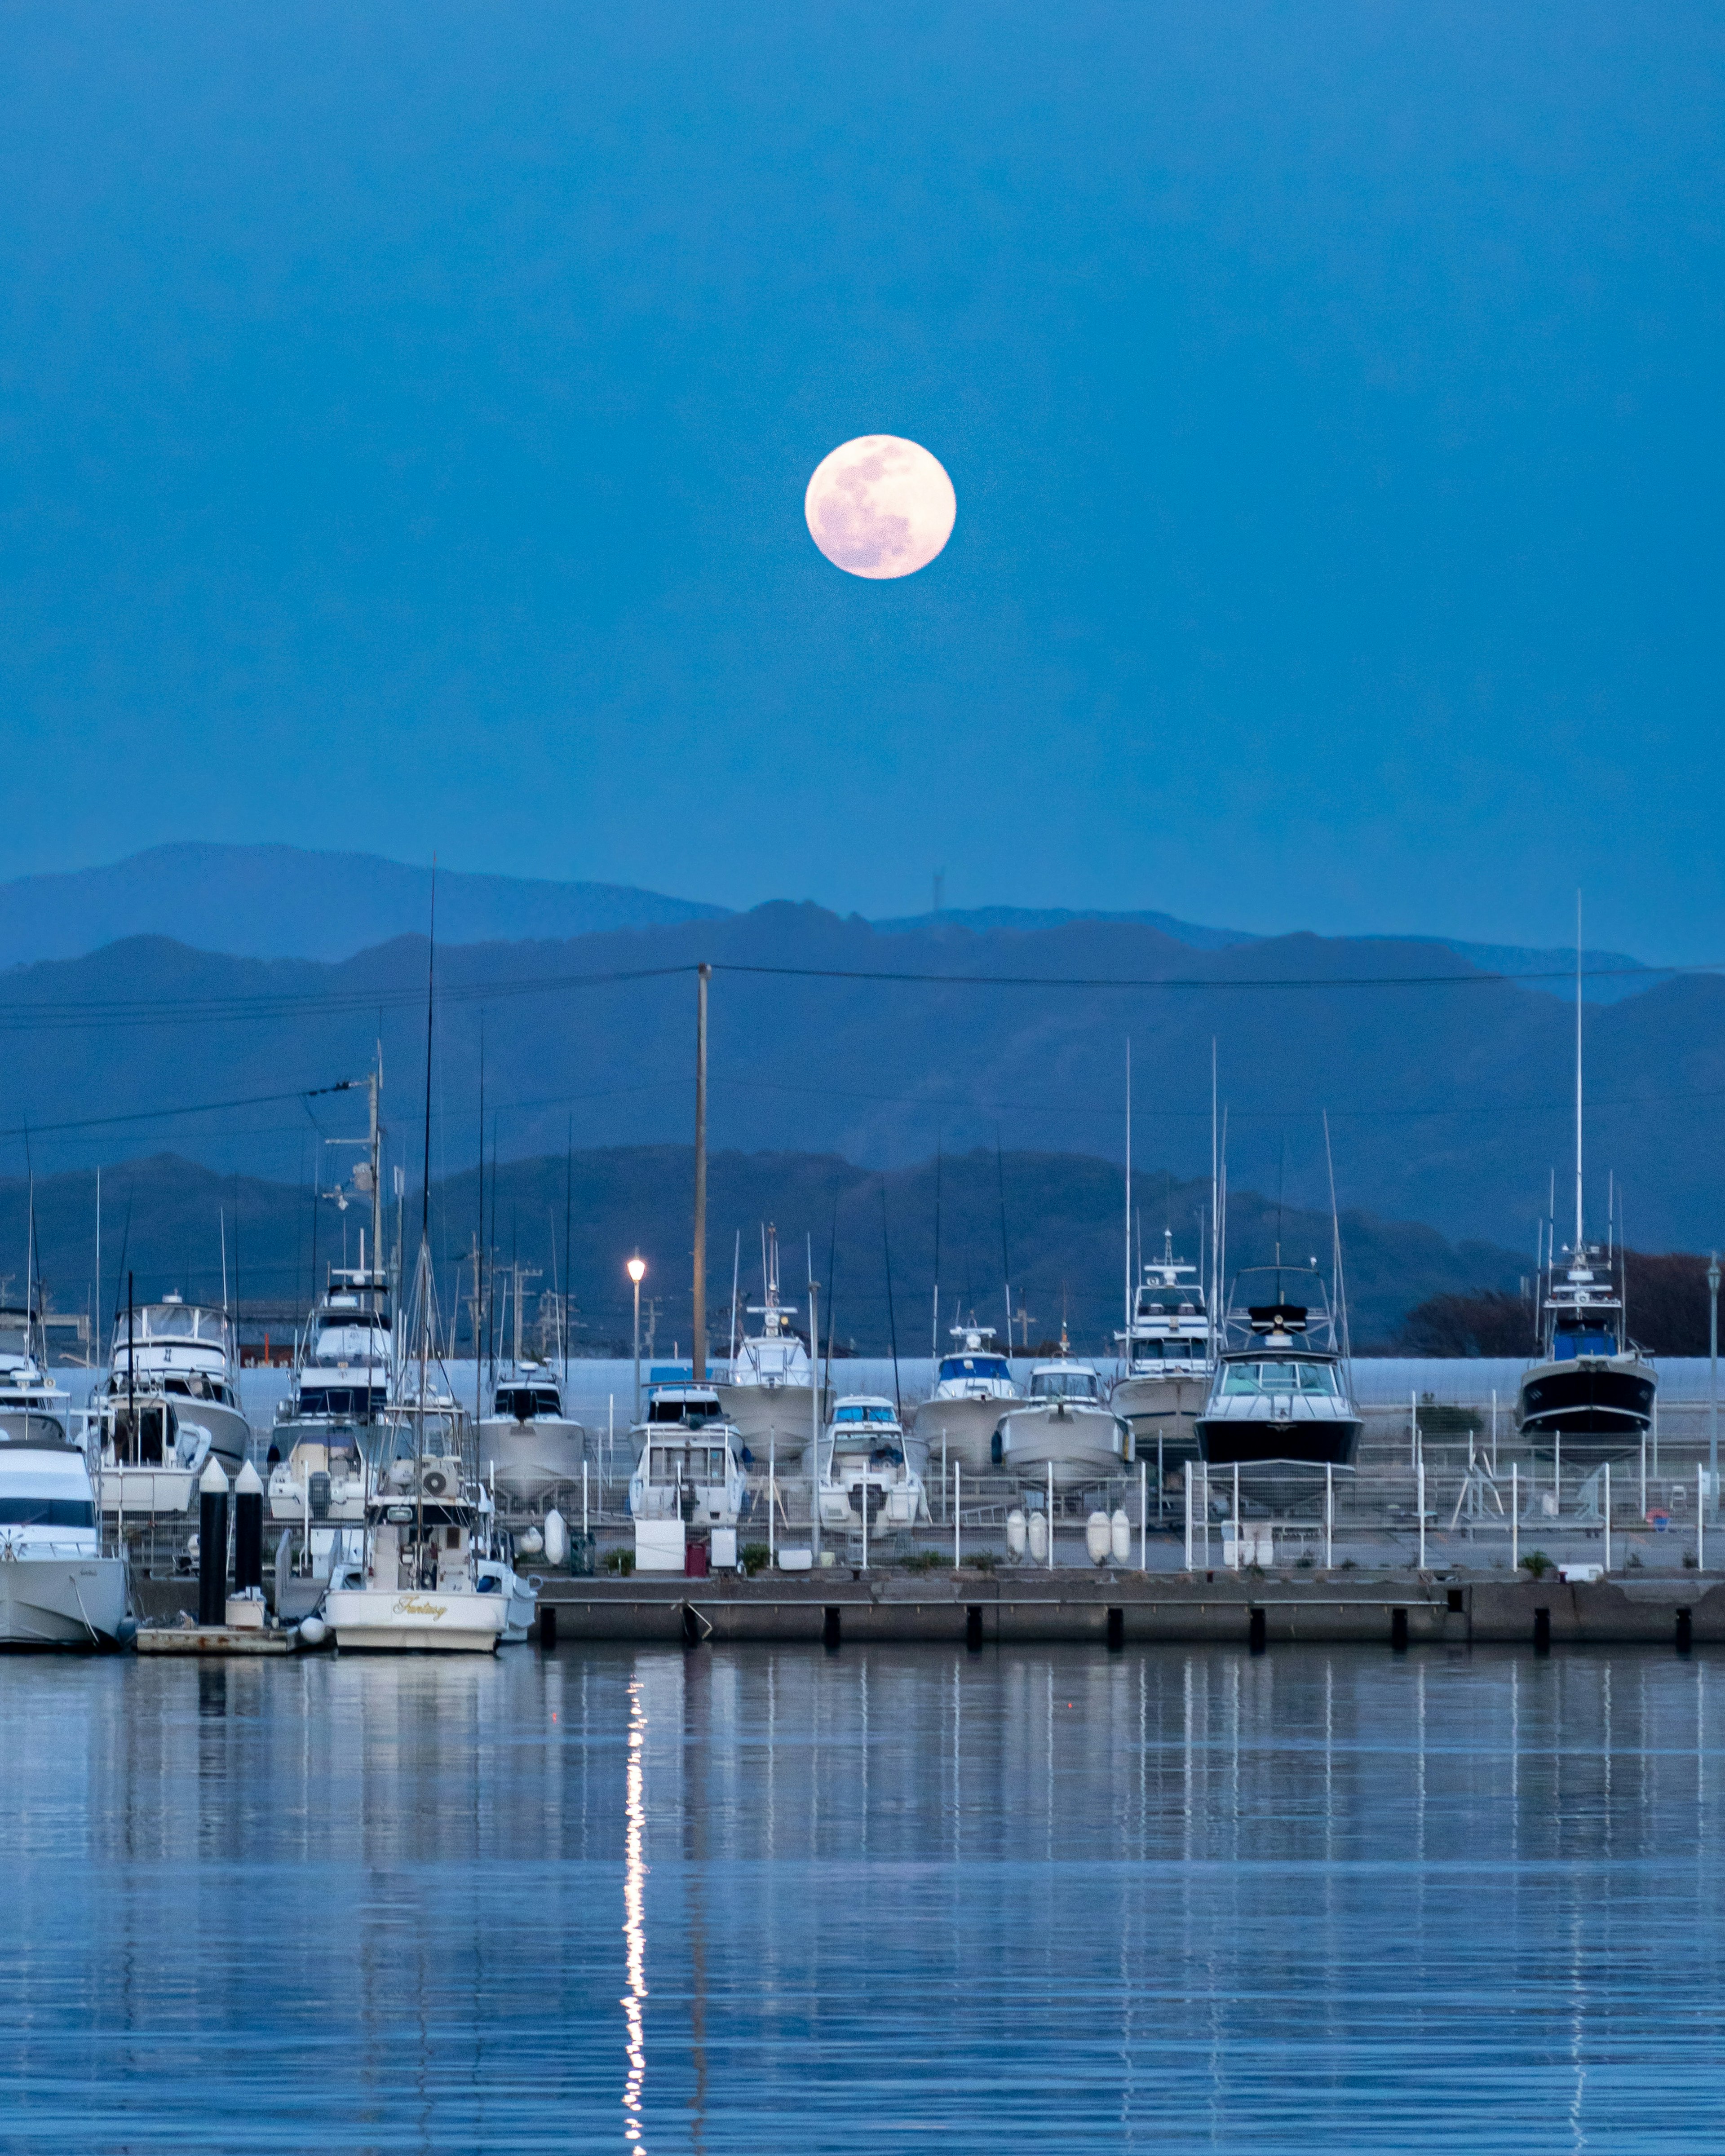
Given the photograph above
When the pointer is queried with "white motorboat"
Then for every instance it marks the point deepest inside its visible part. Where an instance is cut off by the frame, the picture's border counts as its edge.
(527, 1442)
(768, 1394)
(1282, 1395)
(416, 1588)
(973, 1387)
(1168, 1354)
(866, 1483)
(689, 1482)
(185, 1354)
(1065, 1424)
(680, 1405)
(494, 1568)
(57, 1590)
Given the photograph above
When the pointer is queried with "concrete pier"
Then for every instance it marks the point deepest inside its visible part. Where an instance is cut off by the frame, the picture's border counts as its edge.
(981, 1609)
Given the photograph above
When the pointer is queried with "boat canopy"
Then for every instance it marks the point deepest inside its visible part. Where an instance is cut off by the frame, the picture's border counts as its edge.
(954, 1367)
(1062, 1381)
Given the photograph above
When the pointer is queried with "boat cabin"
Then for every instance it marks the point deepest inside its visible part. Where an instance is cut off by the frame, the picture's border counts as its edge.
(1064, 1384)
(694, 1477)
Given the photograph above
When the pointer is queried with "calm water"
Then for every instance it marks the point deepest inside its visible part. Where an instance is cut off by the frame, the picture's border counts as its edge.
(876, 1901)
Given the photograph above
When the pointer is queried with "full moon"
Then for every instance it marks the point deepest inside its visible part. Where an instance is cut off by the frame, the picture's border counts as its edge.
(880, 506)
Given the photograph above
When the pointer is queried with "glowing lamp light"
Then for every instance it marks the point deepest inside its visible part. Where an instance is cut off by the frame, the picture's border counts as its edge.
(637, 1269)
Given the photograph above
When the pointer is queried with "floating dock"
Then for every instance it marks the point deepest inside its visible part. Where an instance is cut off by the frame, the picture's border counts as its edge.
(213, 1639)
(1119, 1610)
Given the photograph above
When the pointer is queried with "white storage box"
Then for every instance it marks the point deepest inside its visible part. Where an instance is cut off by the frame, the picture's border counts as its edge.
(724, 1552)
(796, 1560)
(658, 1545)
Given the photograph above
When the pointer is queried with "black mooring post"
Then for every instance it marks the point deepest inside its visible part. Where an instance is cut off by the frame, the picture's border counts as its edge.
(1116, 1631)
(1684, 1632)
(547, 1623)
(247, 1530)
(974, 1627)
(1541, 1631)
(830, 1636)
(1398, 1631)
(1257, 1632)
(213, 1545)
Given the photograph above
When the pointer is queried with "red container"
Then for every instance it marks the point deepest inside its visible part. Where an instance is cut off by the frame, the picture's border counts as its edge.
(695, 1555)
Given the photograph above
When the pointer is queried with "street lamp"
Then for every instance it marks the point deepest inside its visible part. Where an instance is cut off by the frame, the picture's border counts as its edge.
(1713, 1382)
(637, 1271)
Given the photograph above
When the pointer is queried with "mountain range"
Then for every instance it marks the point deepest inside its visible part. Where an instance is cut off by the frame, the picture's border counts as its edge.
(1050, 1225)
(275, 901)
(1448, 1089)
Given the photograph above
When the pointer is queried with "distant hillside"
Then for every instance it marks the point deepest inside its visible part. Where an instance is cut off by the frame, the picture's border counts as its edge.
(1449, 1094)
(165, 1220)
(288, 902)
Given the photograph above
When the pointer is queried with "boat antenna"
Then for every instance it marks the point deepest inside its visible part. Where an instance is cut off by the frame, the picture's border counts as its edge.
(237, 1362)
(132, 1367)
(1220, 1320)
(1216, 1197)
(832, 1300)
(1127, 1341)
(1005, 1261)
(568, 1203)
(735, 1277)
(1280, 1168)
(222, 1228)
(891, 1321)
(1336, 1244)
(431, 1001)
(1578, 1077)
(935, 1331)
(479, 1283)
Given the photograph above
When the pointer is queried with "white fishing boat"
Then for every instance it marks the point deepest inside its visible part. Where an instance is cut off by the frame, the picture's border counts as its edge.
(57, 1590)
(769, 1393)
(690, 1486)
(416, 1588)
(1167, 1355)
(1280, 1394)
(184, 1355)
(1065, 1424)
(680, 1404)
(973, 1387)
(866, 1482)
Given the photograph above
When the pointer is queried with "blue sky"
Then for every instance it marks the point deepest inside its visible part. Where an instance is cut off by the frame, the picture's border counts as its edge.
(405, 413)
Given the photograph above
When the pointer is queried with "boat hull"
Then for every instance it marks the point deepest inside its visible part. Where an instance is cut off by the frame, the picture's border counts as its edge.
(1082, 1445)
(532, 1460)
(62, 1602)
(421, 1621)
(781, 1417)
(1262, 1440)
(1588, 1402)
(968, 1428)
(1167, 1408)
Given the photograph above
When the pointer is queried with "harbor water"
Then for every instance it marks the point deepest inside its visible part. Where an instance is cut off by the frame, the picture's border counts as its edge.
(875, 1900)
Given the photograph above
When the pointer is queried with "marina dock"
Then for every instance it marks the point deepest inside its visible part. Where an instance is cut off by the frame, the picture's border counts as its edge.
(979, 1611)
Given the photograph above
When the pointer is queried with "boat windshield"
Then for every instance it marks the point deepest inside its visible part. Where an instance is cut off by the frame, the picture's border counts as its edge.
(47, 1512)
(521, 1403)
(1572, 1340)
(1168, 1351)
(1248, 1379)
(1064, 1385)
(864, 1415)
(684, 1411)
(994, 1368)
(26, 1426)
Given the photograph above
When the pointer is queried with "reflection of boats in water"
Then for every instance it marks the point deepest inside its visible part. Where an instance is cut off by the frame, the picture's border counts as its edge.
(1591, 1390)
(1284, 1394)
(1166, 1349)
(1064, 1423)
(973, 1389)
(768, 1392)
(866, 1479)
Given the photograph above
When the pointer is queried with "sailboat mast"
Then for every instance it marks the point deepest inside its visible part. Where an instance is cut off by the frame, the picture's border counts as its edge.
(1578, 1077)
(1127, 1344)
